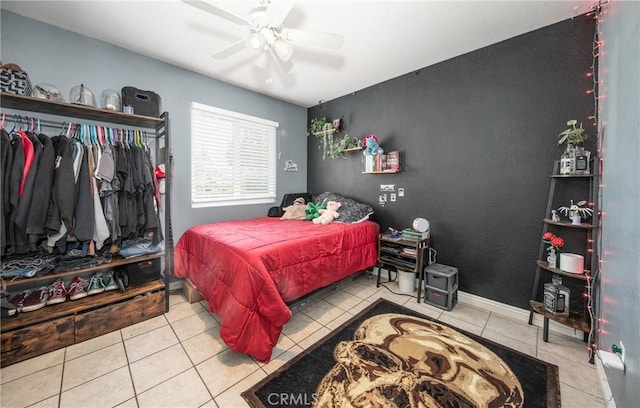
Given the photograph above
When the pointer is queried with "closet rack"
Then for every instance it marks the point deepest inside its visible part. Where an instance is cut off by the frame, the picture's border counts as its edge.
(56, 326)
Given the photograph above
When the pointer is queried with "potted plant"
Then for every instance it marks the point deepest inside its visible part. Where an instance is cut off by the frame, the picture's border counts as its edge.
(573, 135)
(319, 125)
(576, 211)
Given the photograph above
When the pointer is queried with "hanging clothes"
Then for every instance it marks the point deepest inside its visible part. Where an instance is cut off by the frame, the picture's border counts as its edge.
(15, 183)
(83, 222)
(76, 192)
(61, 203)
(42, 194)
(25, 199)
(7, 164)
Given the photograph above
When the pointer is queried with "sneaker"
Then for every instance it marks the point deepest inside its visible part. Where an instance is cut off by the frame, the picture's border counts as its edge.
(95, 284)
(57, 292)
(78, 288)
(18, 299)
(109, 281)
(37, 299)
(8, 309)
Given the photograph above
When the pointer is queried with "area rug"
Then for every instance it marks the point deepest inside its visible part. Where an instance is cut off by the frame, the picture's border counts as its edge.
(392, 356)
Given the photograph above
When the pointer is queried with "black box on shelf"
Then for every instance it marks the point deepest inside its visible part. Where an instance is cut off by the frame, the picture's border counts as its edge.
(145, 103)
(440, 298)
(143, 272)
(441, 277)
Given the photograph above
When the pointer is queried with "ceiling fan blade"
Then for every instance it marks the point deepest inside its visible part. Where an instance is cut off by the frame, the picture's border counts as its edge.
(313, 38)
(215, 10)
(278, 10)
(230, 50)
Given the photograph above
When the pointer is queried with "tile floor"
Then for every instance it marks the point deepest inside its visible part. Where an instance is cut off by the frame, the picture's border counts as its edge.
(178, 359)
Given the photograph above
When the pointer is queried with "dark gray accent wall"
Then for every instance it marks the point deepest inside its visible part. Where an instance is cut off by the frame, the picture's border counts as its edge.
(478, 137)
(620, 252)
(56, 56)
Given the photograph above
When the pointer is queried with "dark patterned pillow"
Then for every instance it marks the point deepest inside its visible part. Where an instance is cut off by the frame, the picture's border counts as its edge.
(351, 211)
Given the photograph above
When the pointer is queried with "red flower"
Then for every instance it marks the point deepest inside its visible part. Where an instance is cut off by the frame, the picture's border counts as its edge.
(557, 242)
(548, 236)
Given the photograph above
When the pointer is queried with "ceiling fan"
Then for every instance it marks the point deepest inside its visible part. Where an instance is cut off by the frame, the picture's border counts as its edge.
(267, 33)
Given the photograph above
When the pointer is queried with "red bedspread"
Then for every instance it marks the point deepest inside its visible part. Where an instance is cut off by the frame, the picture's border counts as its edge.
(248, 269)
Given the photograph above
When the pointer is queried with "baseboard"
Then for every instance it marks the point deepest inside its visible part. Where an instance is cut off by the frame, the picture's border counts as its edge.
(607, 395)
(509, 311)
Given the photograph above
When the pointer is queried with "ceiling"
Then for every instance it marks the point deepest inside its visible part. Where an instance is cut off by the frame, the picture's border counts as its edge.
(382, 39)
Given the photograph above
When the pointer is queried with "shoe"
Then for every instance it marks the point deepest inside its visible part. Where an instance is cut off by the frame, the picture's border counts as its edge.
(109, 281)
(78, 288)
(8, 309)
(95, 284)
(18, 299)
(57, 292)
(37, 299)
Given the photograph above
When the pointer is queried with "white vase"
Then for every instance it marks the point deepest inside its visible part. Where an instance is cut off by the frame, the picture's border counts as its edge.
(575, 219)
(552, 259)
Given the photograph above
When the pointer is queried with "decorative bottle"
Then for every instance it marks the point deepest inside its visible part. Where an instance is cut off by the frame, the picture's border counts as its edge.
(566, 160)
(562, 296)
(581, 160)
(552, 259)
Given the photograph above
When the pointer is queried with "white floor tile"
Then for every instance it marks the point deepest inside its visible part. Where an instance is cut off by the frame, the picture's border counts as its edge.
(232, 398)
(31, 365)
(184, 390)
(159, 367)
(110, 390)
(225, 369)
(204, 345)
(90, 366)
(89, 346)
(143, 327)
(150, 342)
(32, 388)
(194, 325)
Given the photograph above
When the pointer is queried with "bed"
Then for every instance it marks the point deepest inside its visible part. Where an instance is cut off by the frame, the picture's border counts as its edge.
(248, 270)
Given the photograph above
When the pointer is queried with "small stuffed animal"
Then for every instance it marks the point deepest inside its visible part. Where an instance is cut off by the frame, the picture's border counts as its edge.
(328, 214)
(295, 211)
(371, 144)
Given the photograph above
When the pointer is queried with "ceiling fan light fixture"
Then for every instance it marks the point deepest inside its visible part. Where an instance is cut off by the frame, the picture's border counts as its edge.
(261, 59)
(283, 50)
(255, 42)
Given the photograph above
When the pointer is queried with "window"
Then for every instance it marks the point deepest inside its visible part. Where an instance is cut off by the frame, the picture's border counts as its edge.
(233, 158)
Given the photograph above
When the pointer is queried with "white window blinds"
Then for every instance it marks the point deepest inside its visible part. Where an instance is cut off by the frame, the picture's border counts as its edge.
(233, 158)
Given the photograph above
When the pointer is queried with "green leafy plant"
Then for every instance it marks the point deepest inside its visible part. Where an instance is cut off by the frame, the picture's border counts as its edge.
(338, 147)
(319, 125)
(573, 135)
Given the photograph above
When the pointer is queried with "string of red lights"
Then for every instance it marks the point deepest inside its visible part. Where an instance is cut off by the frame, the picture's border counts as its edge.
(597, 12)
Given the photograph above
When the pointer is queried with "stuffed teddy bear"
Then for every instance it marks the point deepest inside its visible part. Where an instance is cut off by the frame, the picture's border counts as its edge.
(371, 144)
(295, 211)
(328, 214)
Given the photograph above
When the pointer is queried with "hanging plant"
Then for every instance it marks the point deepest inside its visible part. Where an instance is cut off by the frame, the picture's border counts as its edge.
(320, 128)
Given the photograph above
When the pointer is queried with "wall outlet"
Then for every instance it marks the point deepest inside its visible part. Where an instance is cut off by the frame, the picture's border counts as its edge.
(619, 351)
